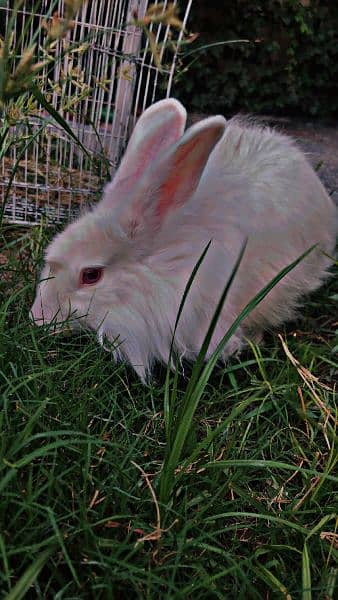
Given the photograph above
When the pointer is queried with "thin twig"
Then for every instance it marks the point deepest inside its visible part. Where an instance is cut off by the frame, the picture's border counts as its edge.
(309, 380)
(156, 534)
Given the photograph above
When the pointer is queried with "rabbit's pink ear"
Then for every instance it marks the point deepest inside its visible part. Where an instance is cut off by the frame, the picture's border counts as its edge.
(171, 180)
(185, 162)
(160, 126)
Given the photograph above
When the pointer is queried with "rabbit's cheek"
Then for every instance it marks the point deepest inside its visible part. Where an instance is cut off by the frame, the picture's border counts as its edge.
(83, 305)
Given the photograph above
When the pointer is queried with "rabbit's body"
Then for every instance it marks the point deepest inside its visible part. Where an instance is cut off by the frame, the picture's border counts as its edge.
(220, 182)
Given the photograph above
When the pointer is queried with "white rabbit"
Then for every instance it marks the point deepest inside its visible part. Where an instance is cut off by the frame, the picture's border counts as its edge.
(121, 269)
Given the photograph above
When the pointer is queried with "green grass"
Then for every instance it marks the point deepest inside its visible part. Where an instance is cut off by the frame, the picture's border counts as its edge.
(87, 507)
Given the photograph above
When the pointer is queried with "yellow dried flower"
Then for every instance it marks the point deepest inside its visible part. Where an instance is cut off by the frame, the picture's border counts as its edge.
(58, 26)
(13, 114)
(125, 73)
(157, 13)
(25, 64)
(72, 6)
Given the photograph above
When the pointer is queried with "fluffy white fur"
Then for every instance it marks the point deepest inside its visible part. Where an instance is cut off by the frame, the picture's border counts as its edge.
(174, 192)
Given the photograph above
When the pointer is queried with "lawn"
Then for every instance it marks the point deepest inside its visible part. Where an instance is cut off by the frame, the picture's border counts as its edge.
(89, 505)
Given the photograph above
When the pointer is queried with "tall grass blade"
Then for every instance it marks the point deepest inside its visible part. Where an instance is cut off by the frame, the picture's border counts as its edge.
(198, 382)
(274, 464)
(272, 581)
(306, 575)
(175, 452)
(198, 365)
(169, 406)
(57, 117)
(22, 586)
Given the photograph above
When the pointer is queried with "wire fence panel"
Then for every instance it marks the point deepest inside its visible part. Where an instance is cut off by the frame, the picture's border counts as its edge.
(99, 77)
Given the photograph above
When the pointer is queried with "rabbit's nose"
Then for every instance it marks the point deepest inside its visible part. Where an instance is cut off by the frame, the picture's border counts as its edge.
(35, 314)
(40, 314)
(36, 321)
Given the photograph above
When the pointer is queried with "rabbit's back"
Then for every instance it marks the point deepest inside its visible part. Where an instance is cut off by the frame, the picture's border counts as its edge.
(258, 185)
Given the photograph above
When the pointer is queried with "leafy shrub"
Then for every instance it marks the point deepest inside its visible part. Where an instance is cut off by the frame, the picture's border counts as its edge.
(289, 65)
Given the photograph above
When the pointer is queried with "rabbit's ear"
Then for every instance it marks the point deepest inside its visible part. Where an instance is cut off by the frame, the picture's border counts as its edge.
(185, 163)
(160, 126)
(171, 180)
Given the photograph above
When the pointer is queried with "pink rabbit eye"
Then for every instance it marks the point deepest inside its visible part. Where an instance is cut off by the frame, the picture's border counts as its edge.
(91, 275)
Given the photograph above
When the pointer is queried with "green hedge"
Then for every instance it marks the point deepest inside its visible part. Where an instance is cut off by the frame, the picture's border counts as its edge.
(290, 65)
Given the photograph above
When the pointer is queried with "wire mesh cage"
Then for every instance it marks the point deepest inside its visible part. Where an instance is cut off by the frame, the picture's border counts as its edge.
(98, 76)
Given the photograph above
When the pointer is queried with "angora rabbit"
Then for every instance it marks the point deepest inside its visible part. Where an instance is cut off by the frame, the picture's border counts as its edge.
(121, 269)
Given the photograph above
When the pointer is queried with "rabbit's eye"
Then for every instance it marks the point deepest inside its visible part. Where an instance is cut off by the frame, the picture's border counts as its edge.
(91, 275)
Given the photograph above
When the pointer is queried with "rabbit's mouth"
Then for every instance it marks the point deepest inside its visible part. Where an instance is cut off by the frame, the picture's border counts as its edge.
(54, 327)
(60, 329)
(55, 322)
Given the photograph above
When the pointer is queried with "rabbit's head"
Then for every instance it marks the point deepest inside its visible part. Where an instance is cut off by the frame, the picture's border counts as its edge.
(100, 272)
